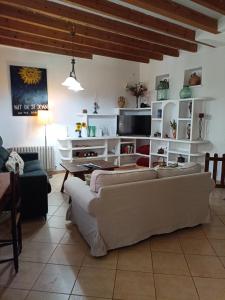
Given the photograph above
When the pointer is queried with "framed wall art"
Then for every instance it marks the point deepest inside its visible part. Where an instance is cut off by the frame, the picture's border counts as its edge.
(28, 90)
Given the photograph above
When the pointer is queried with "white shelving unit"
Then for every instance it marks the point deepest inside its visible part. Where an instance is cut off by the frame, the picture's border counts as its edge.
(110, 147)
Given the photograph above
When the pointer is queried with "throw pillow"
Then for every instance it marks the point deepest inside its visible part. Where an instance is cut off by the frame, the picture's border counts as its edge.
(101, 178)
(187, 168)
(14, 158)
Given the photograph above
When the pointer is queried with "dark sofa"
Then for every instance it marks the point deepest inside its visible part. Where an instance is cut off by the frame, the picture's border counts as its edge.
(34, 184)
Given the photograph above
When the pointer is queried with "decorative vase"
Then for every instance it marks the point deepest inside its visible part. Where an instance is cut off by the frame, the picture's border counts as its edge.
(174, 132)
(88, 131)
(190, 109)
(121, 102)
(194, 79)
(93, 131)
(185, 92)
(188, 131)
(200, 128)
(162, 90)
(137, 99)
(79, 134)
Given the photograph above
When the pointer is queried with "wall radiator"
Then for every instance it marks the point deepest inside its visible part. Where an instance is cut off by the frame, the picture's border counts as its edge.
(41, 154)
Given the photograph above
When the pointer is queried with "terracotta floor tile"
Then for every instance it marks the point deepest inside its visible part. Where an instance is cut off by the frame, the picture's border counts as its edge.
(37, 252)
(34, 295)
(57, 279)
(215, 232)
(72, 236)
(75, 297)
(48, 235)
(59, 222)
(96, 282)
(210, 289)
(68, 255)
(173, 287)
(194, 246)
(219, 246)
(61, 211)
(135, 258)
(205, 266)
(191, 233)
(52, 209)
(12, 294)
(108, 262)
(169, 263)
(165, 243)
(134, 285)
(24, 279)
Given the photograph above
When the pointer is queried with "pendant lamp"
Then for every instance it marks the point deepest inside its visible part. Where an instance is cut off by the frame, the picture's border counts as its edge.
(71, 81)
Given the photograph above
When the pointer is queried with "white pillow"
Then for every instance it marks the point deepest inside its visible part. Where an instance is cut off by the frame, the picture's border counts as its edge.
(101, 178)
(187, 168)
(14, 158)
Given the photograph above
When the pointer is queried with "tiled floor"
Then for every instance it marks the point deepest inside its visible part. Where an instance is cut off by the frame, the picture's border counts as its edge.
(55, 263)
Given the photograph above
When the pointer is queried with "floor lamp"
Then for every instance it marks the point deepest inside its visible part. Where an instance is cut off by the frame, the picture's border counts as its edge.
(44, 119)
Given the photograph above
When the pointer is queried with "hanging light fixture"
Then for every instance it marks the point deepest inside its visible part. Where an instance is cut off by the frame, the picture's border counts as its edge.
(71, 82)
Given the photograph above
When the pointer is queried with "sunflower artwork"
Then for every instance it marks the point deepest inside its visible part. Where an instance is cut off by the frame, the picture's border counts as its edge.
(29, 90)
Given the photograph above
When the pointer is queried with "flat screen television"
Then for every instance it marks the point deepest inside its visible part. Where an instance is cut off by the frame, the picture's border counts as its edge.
(136, 125)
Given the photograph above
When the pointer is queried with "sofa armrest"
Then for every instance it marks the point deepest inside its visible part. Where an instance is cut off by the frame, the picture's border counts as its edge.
(81, 193)
(27, 156)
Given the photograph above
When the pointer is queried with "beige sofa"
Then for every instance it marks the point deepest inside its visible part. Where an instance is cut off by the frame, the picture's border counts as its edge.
(124, 209)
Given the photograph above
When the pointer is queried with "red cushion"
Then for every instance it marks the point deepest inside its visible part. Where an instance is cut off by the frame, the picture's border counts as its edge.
(144, 149)
(143, 161)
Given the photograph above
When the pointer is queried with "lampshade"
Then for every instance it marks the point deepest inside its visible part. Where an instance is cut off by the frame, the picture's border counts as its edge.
(44, 117)
(71, 82)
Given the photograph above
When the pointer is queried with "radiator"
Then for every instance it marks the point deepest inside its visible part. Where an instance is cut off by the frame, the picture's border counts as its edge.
(41, 154)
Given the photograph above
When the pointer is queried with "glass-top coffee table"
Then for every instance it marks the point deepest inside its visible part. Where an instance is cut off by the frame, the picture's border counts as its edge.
(79, 170)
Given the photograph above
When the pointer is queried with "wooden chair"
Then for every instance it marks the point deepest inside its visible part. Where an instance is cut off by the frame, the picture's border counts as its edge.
(14, 220)
(215, 159)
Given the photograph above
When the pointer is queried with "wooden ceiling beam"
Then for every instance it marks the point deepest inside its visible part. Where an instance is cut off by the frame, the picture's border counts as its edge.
(41, 48)
(54, 36)
(136, 17)
(216, 5)
(54, 44)
(91, 20)
(18, 16)
(178, 12)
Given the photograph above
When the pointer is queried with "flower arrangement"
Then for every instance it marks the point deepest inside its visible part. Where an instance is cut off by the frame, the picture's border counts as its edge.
(79, 127)
(137, 90)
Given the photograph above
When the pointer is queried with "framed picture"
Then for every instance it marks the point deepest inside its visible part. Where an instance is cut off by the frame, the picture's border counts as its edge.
(28, 90)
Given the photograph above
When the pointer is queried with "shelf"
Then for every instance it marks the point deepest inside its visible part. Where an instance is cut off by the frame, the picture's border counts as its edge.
(138, 109)
(97, 115)
(113, 155)
(127, 143)
(89, 157)
(127, 154)
(175, 162)
(88, 147)
(144, 155)
(64, 149)
(157, 154)
(178, 152)
(156, 119)
(184, 119)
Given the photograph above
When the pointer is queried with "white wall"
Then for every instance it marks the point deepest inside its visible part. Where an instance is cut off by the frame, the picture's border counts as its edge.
(213, 85)
(102, 76)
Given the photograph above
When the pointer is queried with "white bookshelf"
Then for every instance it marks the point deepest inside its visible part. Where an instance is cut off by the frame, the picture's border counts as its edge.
(109, 147)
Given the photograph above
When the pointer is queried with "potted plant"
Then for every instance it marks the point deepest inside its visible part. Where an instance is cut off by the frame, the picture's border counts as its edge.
(173, 125)
(137, 90)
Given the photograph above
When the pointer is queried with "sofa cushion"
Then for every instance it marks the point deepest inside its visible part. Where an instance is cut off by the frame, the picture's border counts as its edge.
(101, 178)
(187, 168)
(4, 154)
(32, 165)
(14, 159)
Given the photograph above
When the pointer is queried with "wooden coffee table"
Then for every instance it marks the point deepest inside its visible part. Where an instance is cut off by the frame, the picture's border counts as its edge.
(78, 170)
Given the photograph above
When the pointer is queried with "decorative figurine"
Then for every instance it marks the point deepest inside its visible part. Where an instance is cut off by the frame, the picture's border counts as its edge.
(188, 131)
(96, 107)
